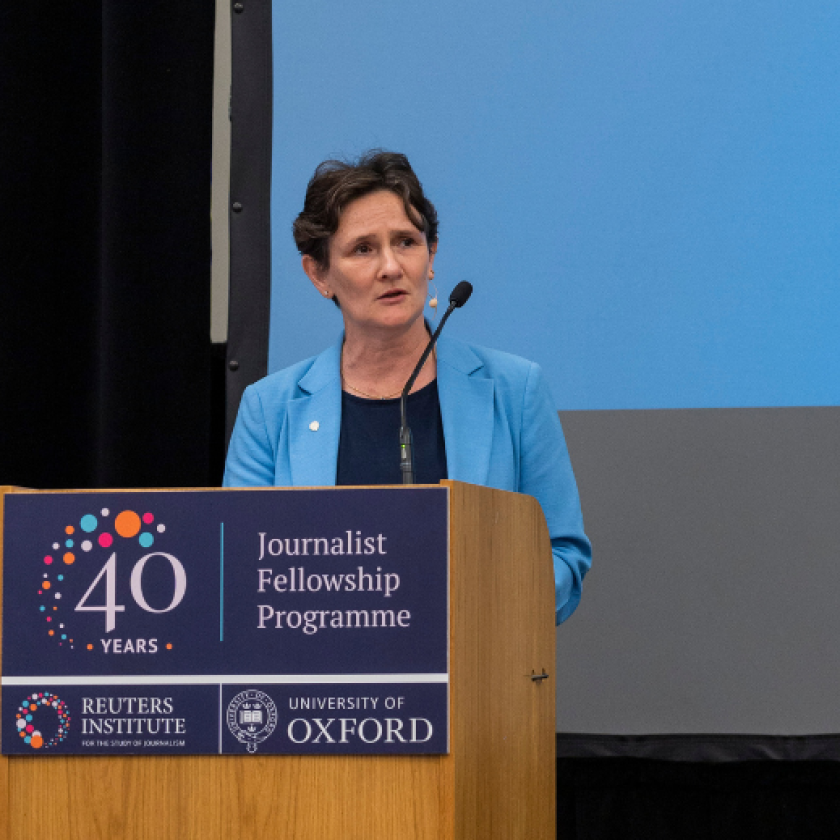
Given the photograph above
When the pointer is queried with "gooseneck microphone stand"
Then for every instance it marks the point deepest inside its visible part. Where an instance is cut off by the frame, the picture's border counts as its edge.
(460, 295)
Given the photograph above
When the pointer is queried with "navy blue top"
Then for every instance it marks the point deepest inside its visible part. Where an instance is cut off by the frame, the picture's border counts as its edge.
(369, 442)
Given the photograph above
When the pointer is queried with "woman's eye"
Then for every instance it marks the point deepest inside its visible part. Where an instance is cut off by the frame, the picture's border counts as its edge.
(363, 249)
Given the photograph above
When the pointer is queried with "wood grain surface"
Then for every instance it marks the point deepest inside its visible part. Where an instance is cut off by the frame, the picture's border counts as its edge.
(502, 630)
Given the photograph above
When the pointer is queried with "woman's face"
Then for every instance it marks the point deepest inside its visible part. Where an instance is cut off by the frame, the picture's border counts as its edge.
(380, 265)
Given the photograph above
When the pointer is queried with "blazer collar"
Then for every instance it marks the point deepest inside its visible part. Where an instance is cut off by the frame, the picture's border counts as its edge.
(313, 454)
(324, 370)
(466, 406)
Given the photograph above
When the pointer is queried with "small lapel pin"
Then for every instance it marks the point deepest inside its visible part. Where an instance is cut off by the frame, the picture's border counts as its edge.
(314, 425)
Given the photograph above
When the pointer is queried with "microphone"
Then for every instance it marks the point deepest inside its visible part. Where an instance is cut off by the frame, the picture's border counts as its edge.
(459, 296)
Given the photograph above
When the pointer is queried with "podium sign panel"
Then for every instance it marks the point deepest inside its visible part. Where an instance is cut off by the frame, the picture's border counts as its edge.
(254, 621)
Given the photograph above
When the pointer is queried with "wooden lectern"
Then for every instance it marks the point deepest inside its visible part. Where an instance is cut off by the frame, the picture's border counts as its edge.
(498, 780)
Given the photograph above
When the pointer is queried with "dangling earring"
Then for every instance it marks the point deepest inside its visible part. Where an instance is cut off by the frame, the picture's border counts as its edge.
(434, 300)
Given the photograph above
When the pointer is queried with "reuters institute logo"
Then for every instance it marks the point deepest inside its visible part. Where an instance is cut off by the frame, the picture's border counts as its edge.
(251, 718)
(42, 720)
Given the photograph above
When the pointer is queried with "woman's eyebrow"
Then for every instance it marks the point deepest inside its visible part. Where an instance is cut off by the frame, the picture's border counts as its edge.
(399, 232)
(360, 238)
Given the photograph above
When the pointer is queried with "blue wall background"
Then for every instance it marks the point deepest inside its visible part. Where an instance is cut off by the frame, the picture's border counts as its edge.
(645, 196)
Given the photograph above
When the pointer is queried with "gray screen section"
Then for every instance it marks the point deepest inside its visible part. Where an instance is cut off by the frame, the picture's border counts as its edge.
(713, 604)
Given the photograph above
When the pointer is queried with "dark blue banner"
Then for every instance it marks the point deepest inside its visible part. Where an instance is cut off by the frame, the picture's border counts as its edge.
(306, 621)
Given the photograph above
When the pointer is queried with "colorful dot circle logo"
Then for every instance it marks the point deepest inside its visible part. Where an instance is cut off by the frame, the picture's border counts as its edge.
(80, 546)
(42, 720)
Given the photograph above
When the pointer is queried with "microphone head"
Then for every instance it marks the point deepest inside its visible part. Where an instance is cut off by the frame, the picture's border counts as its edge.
(460, 294)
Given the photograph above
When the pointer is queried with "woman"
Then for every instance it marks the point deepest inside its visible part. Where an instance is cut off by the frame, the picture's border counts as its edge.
(368, 238)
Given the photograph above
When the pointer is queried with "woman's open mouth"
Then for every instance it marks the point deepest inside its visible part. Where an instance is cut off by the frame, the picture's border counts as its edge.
(392, 296)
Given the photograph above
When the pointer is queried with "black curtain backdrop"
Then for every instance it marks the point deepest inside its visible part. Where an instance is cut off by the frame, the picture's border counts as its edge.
(105, 169)
(640, 799)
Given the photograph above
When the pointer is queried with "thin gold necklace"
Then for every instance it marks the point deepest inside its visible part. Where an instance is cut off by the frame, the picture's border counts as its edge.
(373, 396)
(370, 396)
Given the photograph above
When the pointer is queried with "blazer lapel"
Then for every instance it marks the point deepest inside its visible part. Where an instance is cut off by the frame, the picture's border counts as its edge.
(313, 452)
(466, 407)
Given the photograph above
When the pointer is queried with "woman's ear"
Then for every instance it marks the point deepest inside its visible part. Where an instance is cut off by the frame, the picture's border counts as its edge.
(316, 276)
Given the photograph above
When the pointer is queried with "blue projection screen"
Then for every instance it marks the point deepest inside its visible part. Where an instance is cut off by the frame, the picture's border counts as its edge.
(645, 198)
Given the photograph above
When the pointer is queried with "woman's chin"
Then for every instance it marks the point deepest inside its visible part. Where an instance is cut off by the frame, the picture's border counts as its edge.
(396, 316)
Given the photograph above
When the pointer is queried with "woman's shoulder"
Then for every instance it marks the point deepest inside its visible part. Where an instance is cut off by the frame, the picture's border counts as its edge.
(516, 380)
(475, 359)
(279, 380)
(305, 376)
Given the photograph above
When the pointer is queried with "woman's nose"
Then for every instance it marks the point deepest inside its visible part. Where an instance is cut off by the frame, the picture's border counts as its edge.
(389, 264)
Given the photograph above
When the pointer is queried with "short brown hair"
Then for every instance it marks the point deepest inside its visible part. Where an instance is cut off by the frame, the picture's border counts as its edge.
(337, 183)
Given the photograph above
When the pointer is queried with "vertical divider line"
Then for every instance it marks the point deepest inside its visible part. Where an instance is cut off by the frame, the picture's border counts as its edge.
(221, 581)
(220, 718)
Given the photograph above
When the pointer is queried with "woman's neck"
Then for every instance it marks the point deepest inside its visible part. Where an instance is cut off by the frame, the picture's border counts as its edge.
(380, 365)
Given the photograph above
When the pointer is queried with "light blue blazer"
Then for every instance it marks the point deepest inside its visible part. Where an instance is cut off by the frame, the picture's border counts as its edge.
(499, 423)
